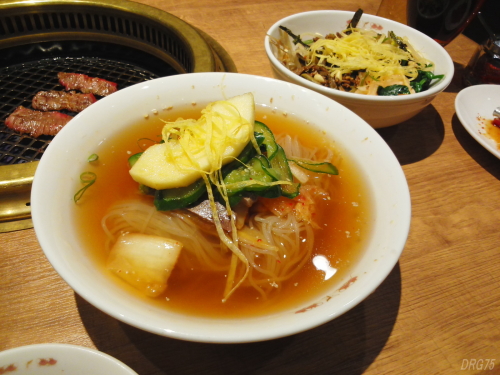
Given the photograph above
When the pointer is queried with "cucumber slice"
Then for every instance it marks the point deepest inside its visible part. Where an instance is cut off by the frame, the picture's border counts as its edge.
(133, 159)
(280, 164)
(240, 179)
(172, 199)
(312, 166)
(269, 142)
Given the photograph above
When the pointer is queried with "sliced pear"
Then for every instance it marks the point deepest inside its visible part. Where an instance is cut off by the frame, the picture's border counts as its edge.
(173, 164)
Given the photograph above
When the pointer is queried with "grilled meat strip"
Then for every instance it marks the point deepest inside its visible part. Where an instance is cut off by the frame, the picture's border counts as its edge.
(57, 100)
(36, 123)
(86, 84)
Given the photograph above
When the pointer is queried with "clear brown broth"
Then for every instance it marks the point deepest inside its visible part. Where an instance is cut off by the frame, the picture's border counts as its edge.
(345, 222)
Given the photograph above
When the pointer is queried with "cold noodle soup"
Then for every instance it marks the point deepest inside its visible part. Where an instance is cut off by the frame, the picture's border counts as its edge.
(328, 223)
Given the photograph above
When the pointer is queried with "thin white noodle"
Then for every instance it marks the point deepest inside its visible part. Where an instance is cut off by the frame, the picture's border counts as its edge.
(269, 268)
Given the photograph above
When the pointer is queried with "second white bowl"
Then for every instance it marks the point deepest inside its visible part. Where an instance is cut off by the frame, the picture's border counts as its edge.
(378, 111)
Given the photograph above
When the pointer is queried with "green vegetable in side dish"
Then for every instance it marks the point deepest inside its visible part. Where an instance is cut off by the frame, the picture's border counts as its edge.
(424, 79)
(393, 90)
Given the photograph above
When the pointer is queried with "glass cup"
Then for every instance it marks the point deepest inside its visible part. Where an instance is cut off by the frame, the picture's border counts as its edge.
(442, 20)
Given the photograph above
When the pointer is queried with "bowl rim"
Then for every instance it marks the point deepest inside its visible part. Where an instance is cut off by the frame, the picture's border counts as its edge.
(401, 99)
(47, 231)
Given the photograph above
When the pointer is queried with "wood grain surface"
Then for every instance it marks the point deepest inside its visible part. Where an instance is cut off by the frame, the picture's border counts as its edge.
(437, 311)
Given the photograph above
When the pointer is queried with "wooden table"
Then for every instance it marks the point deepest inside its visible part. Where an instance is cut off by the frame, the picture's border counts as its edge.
(438, 311)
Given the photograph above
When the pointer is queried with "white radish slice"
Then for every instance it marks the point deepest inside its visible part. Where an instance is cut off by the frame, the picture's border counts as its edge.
(144, 261)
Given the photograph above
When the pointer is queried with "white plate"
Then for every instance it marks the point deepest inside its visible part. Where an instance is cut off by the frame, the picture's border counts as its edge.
(473, 105)
(51, 359)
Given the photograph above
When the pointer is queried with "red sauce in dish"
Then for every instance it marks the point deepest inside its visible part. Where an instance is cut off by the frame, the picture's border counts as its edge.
(492, 130)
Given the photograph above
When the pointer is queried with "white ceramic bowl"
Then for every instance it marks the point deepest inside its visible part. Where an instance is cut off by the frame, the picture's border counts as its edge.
(378, 111)
(474, 106)
(57, 359)
(56, 181)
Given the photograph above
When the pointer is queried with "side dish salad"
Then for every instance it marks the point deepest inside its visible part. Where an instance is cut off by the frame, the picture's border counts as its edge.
(357, 60)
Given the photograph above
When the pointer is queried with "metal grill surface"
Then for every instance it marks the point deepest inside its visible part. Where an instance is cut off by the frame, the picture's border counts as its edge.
(19, 83)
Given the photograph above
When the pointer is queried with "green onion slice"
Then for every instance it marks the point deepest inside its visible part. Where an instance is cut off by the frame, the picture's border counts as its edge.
(93, 157)
(87, 179)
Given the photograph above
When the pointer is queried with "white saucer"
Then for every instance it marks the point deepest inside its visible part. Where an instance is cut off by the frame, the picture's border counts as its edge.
(473, 106)
(51, 359)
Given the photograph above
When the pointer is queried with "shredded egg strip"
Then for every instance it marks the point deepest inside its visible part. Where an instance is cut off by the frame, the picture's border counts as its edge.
(365, 50)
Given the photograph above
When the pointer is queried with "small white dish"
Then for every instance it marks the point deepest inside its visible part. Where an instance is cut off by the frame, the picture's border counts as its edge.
(51, 359)
(474, 105)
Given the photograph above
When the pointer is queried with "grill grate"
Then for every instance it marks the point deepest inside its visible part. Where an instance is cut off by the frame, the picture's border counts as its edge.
(19, 83)
(77, 18)
(118, 40)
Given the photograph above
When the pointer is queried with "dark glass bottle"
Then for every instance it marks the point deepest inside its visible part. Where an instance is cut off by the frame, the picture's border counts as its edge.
(484, 66)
